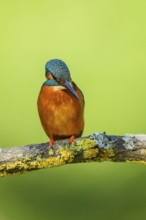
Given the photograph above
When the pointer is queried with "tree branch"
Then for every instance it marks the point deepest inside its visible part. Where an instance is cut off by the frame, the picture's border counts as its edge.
(96, 147)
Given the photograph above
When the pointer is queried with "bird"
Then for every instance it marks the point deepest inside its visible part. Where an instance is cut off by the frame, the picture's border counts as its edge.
(60, 104)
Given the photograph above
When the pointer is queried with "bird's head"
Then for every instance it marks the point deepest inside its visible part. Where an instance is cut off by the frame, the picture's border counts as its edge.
(57, 70)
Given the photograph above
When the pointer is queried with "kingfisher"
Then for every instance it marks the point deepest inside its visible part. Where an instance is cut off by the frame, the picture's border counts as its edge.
(60, 104)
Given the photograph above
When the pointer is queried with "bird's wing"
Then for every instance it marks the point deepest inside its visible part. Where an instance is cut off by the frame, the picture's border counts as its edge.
(76, 87)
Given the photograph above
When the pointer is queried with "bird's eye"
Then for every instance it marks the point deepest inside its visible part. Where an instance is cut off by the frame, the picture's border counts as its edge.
(60, 81)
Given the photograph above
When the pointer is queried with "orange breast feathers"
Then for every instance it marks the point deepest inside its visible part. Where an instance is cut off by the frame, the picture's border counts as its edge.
(61, 114)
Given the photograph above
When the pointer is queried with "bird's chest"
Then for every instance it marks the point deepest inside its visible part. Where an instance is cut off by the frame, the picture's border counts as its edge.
(57, 102)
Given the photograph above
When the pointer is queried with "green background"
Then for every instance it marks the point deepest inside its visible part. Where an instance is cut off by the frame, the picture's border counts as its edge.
(104, 46)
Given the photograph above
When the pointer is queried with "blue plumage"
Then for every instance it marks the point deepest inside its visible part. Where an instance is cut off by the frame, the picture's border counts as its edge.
(50, 82)
(58, 69)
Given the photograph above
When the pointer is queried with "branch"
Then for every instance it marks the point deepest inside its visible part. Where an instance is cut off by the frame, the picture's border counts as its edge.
(96, 147)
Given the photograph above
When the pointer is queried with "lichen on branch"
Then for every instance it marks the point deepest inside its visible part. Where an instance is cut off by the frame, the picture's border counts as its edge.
(96, 147)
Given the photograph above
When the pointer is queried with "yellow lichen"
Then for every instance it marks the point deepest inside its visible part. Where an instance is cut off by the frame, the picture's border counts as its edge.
(106, 154)
(3, 173)
(39, 158)
(110, 152)
(144, 151)
(137, 161)
(49, 162)
(51, 152)
(2, 167)
(88, 144)
(90, 153)
(16, 173)
(66, 154)
(83, 144)
(26, 159)
(17, 164)
(10, 166)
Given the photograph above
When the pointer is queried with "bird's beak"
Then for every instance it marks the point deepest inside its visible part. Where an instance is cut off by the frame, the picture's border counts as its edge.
(69, 87)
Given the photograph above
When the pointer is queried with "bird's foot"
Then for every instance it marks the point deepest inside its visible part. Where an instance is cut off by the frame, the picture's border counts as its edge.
(71, 139)
(51, 143)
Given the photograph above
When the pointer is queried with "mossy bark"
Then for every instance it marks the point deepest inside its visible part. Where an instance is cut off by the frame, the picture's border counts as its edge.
(96, 147)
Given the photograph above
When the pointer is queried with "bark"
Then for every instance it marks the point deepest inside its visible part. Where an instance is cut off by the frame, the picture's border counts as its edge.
(96, 147)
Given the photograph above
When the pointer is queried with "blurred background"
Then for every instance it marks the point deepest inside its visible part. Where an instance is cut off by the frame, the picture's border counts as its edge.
(104, 46)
